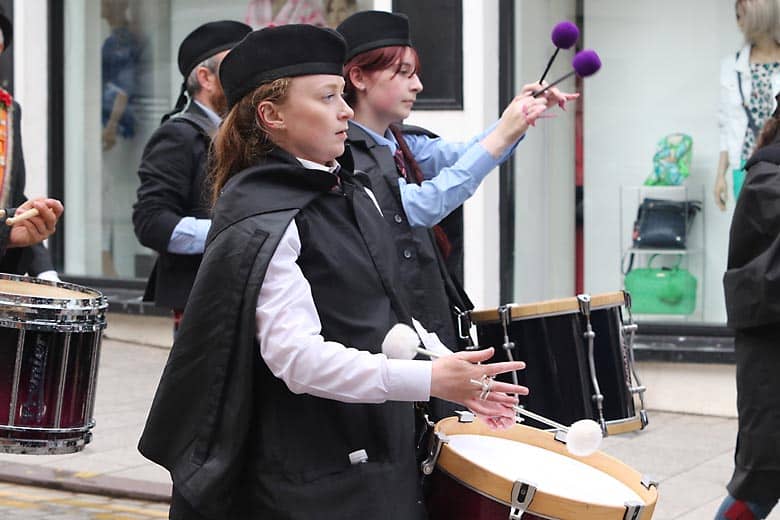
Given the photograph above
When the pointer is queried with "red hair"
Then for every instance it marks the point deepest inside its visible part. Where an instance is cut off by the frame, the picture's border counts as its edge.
(375, 60)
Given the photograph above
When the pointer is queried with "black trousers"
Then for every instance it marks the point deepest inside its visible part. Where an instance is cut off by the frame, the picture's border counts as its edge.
(757, 459)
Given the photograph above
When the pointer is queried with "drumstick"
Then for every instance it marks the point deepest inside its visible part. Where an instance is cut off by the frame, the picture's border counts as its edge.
(582, 438)
(30, 213)
(402, 342)
(544, 420)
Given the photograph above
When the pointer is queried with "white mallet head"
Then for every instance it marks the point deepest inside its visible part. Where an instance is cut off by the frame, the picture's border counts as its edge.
(584, 437)
(400, 342)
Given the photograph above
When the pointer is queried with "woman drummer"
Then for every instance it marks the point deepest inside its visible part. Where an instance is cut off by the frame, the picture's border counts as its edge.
(419, 178)
(276, 401)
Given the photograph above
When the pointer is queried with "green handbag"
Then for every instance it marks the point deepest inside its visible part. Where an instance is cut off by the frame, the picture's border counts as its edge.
(665, 290)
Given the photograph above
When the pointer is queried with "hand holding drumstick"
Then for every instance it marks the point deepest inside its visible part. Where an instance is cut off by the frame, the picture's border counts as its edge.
(33, 221)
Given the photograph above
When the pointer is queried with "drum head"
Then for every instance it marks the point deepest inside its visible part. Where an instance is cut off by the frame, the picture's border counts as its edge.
(26, 288)
(490, 461)
(41, 304)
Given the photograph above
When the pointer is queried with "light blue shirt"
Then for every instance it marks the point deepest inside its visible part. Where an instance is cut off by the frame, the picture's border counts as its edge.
(453, 172)
(189, 235)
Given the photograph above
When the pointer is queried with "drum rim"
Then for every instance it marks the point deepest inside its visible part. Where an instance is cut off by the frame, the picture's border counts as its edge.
(79, 326)
(45, 446)
(547, 308)
(93, 299)
(43, 429)
(544, 503)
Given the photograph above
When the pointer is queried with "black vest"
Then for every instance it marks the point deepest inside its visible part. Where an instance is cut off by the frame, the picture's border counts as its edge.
(422, 277)
(298, 461)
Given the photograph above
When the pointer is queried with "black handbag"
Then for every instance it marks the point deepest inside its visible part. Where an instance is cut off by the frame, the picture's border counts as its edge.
(662, 223)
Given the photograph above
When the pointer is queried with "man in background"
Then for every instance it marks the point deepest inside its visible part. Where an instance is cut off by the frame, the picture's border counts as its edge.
(171, 214)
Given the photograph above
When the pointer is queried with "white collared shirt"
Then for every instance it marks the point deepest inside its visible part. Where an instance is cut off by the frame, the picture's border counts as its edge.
(213, 117)
(311, 165)
(292, 346)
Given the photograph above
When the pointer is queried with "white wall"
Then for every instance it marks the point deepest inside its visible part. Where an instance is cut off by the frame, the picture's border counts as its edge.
(660, 75)
(31, 89)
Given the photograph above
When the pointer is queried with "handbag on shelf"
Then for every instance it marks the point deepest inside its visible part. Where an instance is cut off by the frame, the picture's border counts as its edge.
(661, 290)
(663, 223)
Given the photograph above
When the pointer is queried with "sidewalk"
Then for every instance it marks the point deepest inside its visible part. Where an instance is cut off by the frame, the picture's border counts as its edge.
(110, 464)
(690, 455)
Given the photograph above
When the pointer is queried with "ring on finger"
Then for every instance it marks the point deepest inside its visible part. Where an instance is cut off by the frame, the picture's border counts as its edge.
(486, 383)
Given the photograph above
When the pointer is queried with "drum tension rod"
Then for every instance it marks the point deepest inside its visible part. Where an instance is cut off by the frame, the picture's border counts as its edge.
(590, 336)
(505, 314)
(464, 327)
(629, 331)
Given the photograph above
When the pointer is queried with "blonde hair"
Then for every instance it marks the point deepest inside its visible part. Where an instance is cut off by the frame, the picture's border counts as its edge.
(242, 140)
(759, 18)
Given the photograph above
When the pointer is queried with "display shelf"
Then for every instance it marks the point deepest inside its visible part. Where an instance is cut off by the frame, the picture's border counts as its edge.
(690, 258)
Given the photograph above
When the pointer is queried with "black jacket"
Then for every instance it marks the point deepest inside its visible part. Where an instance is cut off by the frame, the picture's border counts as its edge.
(237, 442)
(173, 173)
(752, 290)
(752, 280)
(20, 260)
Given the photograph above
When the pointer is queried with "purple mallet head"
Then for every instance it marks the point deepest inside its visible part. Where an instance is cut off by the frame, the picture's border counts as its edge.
(586, 63)
(565, 34)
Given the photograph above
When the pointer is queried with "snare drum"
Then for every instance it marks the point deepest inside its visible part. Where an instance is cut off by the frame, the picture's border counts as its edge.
(522, 472)
(50, 335)
(578, 354)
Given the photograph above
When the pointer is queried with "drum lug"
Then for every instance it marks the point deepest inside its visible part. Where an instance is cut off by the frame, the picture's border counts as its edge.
(648, 481)
(633, 510)
(584, 302)
(437, 439)
(522, 495)
(465, 416)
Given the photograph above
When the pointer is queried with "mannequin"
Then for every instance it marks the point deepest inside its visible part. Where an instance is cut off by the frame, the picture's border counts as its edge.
(749, 82)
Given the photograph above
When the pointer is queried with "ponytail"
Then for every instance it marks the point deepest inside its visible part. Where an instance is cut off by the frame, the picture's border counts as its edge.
(241, 140)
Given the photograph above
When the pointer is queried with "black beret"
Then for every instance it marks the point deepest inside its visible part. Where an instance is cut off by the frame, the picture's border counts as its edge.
(284, 51)
(369, 30)
(207, 40)
(7, 27)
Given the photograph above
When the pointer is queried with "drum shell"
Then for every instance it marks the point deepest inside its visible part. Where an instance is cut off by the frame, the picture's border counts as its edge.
(49, 351)
(469, 488)
(557, 367)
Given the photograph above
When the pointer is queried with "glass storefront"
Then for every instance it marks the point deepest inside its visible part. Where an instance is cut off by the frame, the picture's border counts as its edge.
(653, 108)
(120, 77)
(647, 101)
(644, 94)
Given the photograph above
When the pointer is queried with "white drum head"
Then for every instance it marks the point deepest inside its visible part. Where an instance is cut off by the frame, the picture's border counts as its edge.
(548, 471)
